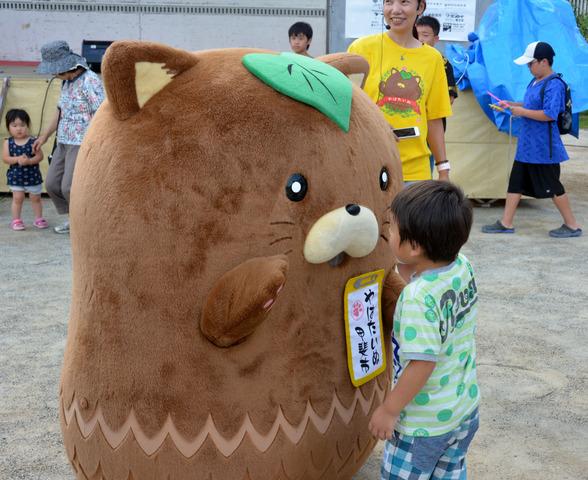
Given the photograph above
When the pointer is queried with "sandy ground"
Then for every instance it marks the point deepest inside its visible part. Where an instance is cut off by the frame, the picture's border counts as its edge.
(531, 341)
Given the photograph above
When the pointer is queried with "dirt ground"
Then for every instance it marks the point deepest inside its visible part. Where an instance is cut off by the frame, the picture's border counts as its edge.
(532, 338)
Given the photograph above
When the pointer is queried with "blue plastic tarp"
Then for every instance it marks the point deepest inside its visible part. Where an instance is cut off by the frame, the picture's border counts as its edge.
(505, 30)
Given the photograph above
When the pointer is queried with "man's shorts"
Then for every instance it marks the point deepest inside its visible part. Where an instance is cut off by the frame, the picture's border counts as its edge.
(32, 189)
(538, 180)
(429, 458)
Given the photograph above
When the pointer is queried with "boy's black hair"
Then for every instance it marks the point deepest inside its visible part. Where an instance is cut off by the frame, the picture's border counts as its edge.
(300, 27)
(17, 114)
(544, 51)
(434, 215)
(428, 21)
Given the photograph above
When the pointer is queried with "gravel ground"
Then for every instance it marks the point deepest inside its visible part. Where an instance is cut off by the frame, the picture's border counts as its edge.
(531, 342)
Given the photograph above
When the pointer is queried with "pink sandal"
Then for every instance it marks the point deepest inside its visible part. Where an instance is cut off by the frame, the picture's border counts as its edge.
(40, 223)
(17, 224)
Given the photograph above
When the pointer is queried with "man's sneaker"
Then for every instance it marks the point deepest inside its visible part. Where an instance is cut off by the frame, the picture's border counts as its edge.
(497, 227)
(63, 228)
(565, 232)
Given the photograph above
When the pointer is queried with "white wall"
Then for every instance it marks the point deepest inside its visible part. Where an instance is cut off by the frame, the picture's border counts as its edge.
(28, 28)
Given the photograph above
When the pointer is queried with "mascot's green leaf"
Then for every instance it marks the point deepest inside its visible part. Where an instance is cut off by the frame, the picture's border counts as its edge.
(306, 80)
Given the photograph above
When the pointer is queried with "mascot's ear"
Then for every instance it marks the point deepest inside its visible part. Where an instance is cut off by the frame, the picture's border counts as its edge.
(349, 64)
(135, 71)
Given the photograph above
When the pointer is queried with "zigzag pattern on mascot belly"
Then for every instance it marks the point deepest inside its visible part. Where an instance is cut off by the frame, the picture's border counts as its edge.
(227, 447)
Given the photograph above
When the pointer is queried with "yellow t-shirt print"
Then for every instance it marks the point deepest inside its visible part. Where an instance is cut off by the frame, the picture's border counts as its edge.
(400, 93)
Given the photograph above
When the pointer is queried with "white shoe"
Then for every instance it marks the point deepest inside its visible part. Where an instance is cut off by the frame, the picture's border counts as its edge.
(63, 228)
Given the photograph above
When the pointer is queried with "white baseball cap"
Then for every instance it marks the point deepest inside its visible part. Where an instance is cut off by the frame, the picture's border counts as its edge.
(536, 51)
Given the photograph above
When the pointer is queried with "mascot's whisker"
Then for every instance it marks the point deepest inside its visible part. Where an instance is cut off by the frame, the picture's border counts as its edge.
(285, 222)
(273, 242)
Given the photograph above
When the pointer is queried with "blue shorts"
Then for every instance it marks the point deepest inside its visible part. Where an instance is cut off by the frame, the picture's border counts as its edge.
(32, 189)
(429, 458)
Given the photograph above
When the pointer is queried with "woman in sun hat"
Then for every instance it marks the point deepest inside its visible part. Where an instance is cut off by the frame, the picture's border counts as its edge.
(81, 95)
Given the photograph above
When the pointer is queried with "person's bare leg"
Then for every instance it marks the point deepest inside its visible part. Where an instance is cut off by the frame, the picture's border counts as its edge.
(36, 205)
(17, 201)
(563, 205)
(510, 208)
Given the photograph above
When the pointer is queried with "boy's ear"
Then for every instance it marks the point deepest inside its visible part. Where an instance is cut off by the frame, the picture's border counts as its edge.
(135, 71)
(415, 249)
(348, 63)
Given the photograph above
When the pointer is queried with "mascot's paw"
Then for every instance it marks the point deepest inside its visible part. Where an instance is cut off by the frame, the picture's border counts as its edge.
(240, 300)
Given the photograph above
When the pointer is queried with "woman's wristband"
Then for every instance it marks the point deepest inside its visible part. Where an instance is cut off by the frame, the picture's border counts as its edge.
(444, 165)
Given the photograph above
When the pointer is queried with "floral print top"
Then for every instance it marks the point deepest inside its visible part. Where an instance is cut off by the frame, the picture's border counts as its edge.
(79, 100)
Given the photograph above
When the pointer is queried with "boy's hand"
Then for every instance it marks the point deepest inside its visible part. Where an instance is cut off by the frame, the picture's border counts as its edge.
(382, 423)
(413, 379)
(517, 111)
(509, 104)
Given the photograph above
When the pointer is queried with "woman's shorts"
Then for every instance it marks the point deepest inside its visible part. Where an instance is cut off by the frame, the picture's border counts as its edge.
(32, 189)
(538, 180)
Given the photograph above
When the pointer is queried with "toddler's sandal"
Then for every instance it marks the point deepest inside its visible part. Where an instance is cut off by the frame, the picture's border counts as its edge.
(40, 223)
(17, 224)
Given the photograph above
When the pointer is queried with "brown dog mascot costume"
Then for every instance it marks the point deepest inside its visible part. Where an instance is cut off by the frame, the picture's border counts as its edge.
(215, 223)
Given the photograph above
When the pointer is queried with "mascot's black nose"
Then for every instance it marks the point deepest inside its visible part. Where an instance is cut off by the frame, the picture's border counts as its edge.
(352, 209)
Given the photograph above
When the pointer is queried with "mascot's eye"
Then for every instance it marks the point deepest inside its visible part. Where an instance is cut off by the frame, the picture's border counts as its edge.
(384, 179)
(296, 187)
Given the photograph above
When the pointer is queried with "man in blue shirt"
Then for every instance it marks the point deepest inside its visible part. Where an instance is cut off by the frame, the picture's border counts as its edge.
(536, 168)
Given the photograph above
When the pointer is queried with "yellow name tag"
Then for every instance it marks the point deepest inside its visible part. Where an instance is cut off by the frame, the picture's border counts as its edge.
(366, 354)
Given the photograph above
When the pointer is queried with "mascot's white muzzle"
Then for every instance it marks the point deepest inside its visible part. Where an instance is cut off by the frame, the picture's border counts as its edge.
(352, 229)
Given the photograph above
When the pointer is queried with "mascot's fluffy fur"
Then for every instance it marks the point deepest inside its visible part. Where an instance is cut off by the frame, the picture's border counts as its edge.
(203, 342)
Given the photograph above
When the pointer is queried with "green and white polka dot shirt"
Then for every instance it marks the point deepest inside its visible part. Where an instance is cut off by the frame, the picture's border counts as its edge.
(435, 320)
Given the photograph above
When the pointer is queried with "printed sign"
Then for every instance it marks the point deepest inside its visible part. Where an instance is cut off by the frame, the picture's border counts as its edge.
(363, 17)
(457, 18)
(366, 354)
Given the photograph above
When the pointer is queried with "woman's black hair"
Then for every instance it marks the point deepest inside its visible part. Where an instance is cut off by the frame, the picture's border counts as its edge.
(415, 33)
(17, 114)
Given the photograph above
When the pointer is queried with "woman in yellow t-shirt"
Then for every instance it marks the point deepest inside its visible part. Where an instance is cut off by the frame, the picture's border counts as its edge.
(407, 81)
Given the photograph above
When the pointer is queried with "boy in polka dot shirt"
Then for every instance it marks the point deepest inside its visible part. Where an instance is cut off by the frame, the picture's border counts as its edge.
(431, 414)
